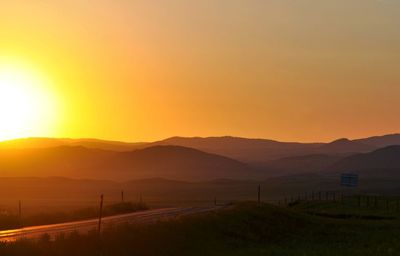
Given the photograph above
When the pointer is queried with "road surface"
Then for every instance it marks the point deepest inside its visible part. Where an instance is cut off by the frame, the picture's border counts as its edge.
(87, 225)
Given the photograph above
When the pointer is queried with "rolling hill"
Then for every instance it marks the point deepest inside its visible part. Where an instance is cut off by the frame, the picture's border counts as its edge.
(300, 164)
(381, 141)
(344, 145)
(31, 143)
(384, 158)
(172, 162)
(243, 149)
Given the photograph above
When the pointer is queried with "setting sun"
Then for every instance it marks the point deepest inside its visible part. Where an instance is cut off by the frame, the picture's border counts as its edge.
(26, 107)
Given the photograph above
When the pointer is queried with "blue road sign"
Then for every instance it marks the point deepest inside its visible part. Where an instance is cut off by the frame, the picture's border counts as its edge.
(349, 180)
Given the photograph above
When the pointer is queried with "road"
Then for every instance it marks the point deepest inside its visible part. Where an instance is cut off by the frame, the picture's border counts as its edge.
(87, 225)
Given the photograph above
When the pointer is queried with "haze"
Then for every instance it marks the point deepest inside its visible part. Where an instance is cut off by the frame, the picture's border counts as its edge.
(146, 70)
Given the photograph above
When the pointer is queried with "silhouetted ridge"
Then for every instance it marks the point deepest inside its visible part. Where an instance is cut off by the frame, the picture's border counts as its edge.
(170, 162)
(345, 146)
(382, 141)
(384, 158)
(242, 149)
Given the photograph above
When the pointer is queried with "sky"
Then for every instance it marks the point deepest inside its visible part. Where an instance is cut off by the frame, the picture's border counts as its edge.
(290, 70)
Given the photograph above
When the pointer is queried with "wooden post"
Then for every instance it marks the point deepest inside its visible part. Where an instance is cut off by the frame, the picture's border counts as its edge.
(19, 209)
(259, 194)
(20, 213)
(100, 212)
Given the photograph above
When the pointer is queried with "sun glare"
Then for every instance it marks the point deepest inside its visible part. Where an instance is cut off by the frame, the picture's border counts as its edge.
(26, 105)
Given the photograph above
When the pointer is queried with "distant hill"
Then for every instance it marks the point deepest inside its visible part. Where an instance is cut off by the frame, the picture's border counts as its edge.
(68, 161)
(344, 146)
(243, 149)
(384, 158)
(300, 164)
(381, 141)
(255, 152)
(27, 143)
(172, 162)
(180, 163)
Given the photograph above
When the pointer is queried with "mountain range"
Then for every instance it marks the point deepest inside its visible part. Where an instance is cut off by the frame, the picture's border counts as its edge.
(193, 159)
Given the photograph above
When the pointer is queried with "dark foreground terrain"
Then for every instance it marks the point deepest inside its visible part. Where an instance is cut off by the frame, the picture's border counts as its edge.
(305, 228)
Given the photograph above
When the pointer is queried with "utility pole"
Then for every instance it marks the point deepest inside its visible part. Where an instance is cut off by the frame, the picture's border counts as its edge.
(100, 212)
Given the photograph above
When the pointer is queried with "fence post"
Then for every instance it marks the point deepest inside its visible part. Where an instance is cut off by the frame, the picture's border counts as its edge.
(100, 212)
(20, 213)
(19, 209)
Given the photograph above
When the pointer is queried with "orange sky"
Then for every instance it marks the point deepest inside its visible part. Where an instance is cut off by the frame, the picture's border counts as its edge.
(145, 70)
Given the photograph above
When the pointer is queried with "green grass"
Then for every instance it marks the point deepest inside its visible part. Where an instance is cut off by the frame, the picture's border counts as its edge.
(382, 208)
(247, 229)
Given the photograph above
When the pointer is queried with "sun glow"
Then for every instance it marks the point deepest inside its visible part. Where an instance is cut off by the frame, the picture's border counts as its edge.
(27, 107)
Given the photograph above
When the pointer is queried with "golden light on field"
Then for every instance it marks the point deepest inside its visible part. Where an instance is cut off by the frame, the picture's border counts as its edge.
(27, 106)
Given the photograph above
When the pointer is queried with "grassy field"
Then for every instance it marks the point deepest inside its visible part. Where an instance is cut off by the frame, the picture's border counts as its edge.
(352, 207)
(247, 229)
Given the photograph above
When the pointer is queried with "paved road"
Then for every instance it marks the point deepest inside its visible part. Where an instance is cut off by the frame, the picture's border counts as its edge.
(86, 225)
